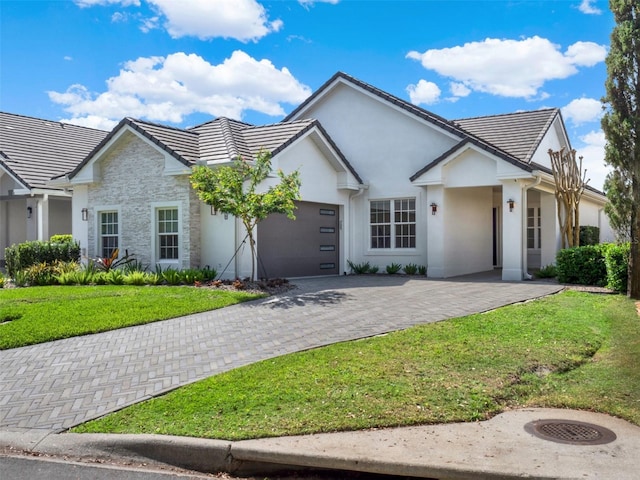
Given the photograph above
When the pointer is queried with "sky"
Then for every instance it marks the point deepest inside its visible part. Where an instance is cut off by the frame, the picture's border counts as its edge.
(184, 62)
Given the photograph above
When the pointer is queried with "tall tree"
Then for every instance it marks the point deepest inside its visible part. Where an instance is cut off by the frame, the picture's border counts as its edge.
(618, 208)
(234, 190)
(621, 121)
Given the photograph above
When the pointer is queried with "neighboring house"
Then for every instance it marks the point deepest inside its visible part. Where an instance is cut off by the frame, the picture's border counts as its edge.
(383, 181)
(33, 150)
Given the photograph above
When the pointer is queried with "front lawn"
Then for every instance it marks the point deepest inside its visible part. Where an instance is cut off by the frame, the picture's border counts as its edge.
(41, 314)
(573, 349)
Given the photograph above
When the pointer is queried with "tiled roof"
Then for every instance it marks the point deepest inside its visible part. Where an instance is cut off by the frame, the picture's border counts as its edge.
(518, 134)
(35, 150)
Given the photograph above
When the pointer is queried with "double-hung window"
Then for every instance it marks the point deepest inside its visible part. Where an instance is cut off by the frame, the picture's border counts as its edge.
(393, 223)
(533, 228)
(109, 231)
(167, 231)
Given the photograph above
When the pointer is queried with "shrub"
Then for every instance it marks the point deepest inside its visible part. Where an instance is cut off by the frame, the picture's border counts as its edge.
(550, 271)
(410, 269)
(422, 270)
(616, 258)
(359, 268)
(108, 264)
(135, 277)
(393, 268)
(190, 276)
(582, 265)
(374, 269)
(3, 280)
(66, 238)
(114, 277)
(589, 235)
(171, 276)
(24, 255)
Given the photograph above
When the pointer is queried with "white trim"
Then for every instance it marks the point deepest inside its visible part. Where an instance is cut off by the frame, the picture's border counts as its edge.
(174, 262)
(97, 223)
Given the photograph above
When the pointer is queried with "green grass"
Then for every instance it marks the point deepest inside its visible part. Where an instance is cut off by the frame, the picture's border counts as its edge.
(574, 350)
(41, 314)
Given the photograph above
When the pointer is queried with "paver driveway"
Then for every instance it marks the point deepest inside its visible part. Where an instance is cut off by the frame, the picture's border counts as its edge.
(60, 384)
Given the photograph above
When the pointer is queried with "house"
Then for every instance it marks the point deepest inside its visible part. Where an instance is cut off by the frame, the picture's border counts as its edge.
(33, 150)
(383, 181)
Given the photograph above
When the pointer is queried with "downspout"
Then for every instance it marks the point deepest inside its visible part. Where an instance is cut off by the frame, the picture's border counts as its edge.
(361, 188)
(525, 256)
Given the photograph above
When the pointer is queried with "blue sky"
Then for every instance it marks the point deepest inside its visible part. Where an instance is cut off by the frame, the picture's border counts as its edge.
(183, 62)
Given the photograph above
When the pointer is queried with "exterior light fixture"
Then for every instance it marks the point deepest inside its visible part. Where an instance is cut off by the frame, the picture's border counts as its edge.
(29, 212)
(434, 208)
(511, 204)
(85, 214)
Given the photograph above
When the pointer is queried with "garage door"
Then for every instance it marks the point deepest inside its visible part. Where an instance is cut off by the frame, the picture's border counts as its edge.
(306, 246)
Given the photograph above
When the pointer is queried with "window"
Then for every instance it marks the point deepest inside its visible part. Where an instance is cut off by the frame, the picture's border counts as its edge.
(533, 228)
(393, 223)
(167, 222)
(108, 240)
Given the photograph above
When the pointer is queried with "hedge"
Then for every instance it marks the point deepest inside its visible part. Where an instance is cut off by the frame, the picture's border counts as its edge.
(602, 265)
(24, 255)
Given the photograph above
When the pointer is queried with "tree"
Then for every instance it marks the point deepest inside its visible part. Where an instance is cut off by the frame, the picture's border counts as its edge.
(618, 208)
(570, 181)
(233, 190)
(621, 122)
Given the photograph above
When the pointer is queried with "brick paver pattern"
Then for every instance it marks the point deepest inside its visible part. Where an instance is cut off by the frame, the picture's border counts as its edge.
(60, 384)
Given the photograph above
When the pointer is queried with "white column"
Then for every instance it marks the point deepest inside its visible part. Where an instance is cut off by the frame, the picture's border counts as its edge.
(512, 231)
(43, 219)
(436, 232)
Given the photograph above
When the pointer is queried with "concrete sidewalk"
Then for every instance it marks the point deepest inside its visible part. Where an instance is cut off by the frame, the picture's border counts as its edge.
(499, 448)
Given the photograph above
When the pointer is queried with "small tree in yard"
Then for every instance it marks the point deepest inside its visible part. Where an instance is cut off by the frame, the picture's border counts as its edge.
(570, 182)
(621, 126)
(232, 190)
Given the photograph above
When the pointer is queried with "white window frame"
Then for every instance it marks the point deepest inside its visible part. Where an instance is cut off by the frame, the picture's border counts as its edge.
(394, 233)
(534, 224)
(155, 234)
(98, 226)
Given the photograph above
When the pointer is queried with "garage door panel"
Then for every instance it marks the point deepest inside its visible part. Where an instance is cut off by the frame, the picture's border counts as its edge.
(306, 246)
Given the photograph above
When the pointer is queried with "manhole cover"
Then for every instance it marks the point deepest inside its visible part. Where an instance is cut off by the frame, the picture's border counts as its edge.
(571, 432)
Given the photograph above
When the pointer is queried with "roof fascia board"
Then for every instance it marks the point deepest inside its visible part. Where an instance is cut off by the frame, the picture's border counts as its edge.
(458, 150)
(16, 178)
(350, 179)
(89, 174)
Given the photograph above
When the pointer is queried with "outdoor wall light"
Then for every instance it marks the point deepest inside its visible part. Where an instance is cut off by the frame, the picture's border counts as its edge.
(434, 208)
(29, 212)
(85, 214)
(511, 204)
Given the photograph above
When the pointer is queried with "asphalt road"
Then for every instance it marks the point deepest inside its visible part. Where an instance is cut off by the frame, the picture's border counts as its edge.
(38, 468)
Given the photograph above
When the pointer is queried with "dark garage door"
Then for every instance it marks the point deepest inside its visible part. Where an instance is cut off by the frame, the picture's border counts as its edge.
(303, 247)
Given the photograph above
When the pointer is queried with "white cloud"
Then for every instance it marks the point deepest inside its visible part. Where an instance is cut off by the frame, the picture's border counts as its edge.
(459, 89)
(308, 3)
(510, 68)
(68, 58)
(424, 92)
(167, 89)
(589, 9)
(582, 110)
(592, 152)
(243, 20)
(92, 121)
(92, 3)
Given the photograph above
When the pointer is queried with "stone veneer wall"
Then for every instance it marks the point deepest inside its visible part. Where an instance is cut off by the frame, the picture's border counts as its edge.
(132, 179)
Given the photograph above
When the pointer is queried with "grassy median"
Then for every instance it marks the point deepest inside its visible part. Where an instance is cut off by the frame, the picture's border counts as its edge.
(41, 314)
(573, 349)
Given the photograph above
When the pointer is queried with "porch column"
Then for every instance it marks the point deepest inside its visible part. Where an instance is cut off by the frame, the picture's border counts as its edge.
(512, 239)
(43, 219)
(435, 232)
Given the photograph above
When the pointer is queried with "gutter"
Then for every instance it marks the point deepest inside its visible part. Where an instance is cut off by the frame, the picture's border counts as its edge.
(525, 257)
(361, 188)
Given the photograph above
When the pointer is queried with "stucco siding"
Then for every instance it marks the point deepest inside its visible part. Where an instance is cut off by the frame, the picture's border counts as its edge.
(132, 181)
(468, 230)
